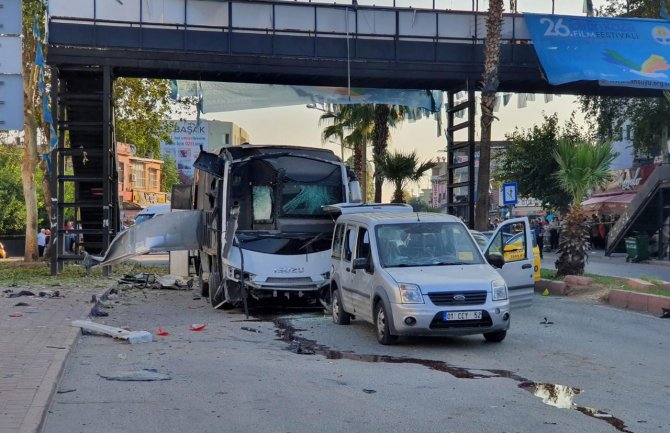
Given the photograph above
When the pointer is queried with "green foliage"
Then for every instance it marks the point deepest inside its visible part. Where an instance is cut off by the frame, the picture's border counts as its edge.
(528, 160)
(170, 175)
(648, 116)
(400, 169)
(142, 107)
(13, 209)
(583, 166)
(421, 206)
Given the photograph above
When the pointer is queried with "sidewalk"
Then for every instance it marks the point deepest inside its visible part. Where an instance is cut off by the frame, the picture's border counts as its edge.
(34, 349)
(616, 266)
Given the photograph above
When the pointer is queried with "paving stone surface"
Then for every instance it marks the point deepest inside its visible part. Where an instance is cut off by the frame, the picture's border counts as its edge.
(34, 346)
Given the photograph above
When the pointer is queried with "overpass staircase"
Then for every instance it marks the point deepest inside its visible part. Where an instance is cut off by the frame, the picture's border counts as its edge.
(643, 214)
(85, 184)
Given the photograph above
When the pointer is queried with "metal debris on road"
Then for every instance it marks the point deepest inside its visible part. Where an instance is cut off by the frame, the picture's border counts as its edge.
(132, 337)
(246, 328)
(15, 315)
(49, 294)
(369, 391)
(65, 391)
(22, 304)
(162, 332)
(546, 322)
(146, 375)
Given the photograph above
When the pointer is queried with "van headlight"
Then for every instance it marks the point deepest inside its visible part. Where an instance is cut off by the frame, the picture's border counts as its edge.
(499, 290)
(410, 294)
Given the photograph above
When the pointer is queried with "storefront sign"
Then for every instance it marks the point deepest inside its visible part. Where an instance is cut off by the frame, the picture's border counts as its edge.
(187, 137)
(629, 179)
(145, 198)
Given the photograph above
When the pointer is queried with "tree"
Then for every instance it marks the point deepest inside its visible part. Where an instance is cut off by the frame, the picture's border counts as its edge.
(32, 9)
(649, 117)
(170, 175)
(353, 122)
(582, 167)
(494, 19)
(528, 160)
(385, 118)
(400, 169)
(142, 108)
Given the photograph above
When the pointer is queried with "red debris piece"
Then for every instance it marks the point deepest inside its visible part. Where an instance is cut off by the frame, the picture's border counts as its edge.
(15, 315)
(162, 332)
(197, 326)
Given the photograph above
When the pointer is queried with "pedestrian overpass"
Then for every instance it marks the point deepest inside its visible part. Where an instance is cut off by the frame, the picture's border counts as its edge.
(92, 42)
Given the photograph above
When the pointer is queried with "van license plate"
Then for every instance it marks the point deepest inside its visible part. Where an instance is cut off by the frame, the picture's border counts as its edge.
(462, 315)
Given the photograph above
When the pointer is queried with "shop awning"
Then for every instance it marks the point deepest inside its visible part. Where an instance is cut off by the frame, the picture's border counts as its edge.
(611, 203)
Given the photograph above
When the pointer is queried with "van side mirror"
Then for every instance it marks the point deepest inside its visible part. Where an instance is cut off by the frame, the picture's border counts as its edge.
(361, 263)
(495, 259)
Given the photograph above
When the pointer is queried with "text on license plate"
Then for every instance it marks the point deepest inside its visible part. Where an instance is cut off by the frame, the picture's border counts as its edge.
(462, 315)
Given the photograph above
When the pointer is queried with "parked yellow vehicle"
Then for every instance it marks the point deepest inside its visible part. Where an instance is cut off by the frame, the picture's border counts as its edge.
(513, 249)
(3, 252)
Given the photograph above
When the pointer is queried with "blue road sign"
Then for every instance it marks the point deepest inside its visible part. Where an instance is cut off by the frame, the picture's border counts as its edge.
(510, 193)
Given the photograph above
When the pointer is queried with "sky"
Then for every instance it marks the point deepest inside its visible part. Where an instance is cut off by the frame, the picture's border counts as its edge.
(299, 125)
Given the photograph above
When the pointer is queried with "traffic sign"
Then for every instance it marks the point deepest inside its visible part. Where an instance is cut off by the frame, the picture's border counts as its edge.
(510, 193)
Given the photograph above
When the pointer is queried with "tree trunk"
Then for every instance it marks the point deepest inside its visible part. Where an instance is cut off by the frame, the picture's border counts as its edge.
(380, 136)
(358, 169)
(28, 166)
(490, 86)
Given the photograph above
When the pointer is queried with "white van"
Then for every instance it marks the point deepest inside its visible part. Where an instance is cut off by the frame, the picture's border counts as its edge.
(149, 212)
(423, 274)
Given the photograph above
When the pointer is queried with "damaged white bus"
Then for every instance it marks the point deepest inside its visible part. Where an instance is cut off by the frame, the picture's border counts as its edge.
(262, 231)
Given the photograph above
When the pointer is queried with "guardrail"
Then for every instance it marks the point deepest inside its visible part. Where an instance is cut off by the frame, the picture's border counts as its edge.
(294, 18)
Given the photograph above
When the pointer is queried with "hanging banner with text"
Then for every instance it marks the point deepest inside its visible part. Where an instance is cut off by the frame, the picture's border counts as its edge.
(626, 52)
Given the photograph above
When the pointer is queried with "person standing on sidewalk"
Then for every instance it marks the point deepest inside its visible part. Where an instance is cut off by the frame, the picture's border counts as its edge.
(41, 242)
(539, 239)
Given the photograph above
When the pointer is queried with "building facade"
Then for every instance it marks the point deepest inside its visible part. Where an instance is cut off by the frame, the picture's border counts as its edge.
(139, 180)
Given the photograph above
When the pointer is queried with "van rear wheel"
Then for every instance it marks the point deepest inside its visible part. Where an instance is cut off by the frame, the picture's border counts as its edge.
(340, 317)
(382, 325)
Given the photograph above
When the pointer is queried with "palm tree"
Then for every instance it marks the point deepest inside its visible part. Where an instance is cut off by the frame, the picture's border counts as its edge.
(582, 167)
(490, 83)
(385, 118)
(357, 122)
(400, 169)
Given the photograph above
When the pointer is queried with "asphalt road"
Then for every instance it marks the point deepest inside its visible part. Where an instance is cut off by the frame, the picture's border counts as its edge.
(239, 376)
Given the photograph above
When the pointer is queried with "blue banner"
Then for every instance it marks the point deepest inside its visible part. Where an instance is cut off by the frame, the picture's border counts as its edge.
(626, 52)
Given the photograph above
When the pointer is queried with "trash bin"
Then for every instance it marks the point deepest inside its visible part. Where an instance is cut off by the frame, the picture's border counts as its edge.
(637, 248)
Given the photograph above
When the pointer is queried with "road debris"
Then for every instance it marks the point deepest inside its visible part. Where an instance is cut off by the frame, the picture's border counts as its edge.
(162, 332)
(246, 328)
(96, 312)
(666, 313)
(546, 322)
(15, 315)
(21, 293)
(174, 282)
(369, 391)
(65, 391)
(146, 375)
(132, 337)
(49, 294)
(139, 281)
(22, 304)
(197, 326)
(297, 347)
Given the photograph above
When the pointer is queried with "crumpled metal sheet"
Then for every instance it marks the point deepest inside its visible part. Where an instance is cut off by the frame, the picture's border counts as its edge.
(172, 231)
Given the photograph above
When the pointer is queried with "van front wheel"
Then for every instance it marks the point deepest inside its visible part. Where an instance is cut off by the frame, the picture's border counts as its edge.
(340, 317)
(382, 325)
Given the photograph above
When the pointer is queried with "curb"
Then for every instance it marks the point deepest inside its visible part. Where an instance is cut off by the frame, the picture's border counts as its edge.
(637, 301)
(34, 420)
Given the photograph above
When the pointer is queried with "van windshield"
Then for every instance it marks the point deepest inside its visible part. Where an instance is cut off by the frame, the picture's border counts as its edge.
(426, 244)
